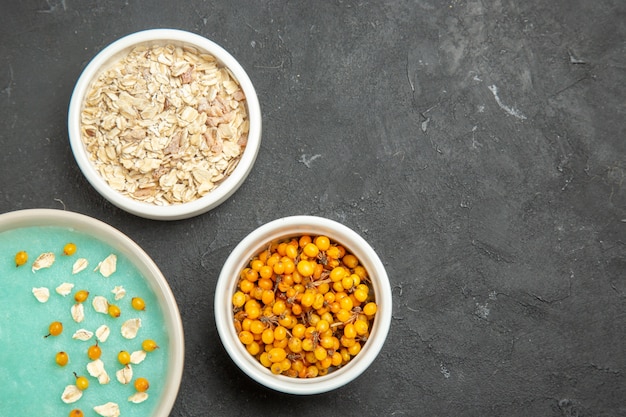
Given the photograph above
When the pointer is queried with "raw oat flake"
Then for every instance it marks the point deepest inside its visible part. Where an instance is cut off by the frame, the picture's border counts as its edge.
(165, 125)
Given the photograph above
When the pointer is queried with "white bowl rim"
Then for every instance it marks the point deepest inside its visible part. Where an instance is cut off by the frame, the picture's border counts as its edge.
(282, 228)
(175, 211)
(108, 234)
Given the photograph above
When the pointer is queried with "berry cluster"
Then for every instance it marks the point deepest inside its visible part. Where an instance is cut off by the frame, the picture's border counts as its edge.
(304, 306)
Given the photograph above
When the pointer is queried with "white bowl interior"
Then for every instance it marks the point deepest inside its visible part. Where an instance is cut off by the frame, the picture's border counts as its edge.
(152, 274)
(278, 230)
(109, 56)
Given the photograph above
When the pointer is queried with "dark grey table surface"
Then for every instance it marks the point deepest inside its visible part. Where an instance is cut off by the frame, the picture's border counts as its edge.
(479, 146)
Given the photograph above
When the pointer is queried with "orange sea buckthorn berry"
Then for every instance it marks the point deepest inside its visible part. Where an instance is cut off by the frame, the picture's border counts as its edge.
(285, 365)
(252, 309)
(263, 255)
(276, 355)
(142, 384)
(271, 261)
(311, 371)
(307, 299)
(149, 345)
(246, 337)
(280, 343)
(114, 311)
(266, 272)
(21, 258)
(370, 308)
(253, 348)
(346, 303)
(317, 270)
(350, 261)
(288, 265)
(338, 273)
(354, 349)
(322, 242)
(264, 360)
(337, 286)
(336, 359)
(82, 383)
(361, 272)
(257, 326)
(327, 342)
(276, 368)
(239, 299)
(347, 282)
(320, 353)
(282, 248)
(279, 307)
(76, 413)
(304, 239)
(294, 344)
(360, 294)
(298, 330)
(61, 358)
(250, 274)
(349, 331)
(267, 297)
(69, 249)
(138, 303)
(305, 268)
(343, 315)
(55, 329)
(318, 301)
(322, 325)
(265, 284)
(256, 264)
(333, 252)
(246, 286)
(94, 352)
(308, 345)
(280, 333)
(291, 251)
(361, 327)
(310, 250)
(123, 357)
(81, 296)
(267, 336)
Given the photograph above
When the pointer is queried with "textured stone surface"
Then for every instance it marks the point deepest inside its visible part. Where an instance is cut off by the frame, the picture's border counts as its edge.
(477, 145)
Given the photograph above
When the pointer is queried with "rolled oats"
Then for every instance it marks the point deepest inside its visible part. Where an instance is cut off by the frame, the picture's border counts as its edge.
(165, 125)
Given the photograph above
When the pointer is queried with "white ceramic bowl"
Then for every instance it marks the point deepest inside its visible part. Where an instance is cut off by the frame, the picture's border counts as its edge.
(105, 59)
(291, 227)
(144, 264)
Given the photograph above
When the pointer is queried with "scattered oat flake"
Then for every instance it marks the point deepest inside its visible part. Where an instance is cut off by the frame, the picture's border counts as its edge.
(100, 304)
(96, 369)
(64, 289)
(119, 292)
(109, 409)
(82, 334)
(45, 260)
(79, 265)
(78, 312)
(103, 332)
(125, 375)
(137, 357)
(41, 294)
(108, 266)
(130, 328)
(71, 394)
(138, 397)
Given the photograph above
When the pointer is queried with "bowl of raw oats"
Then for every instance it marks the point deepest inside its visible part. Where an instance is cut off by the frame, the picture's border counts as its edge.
(165, 124)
